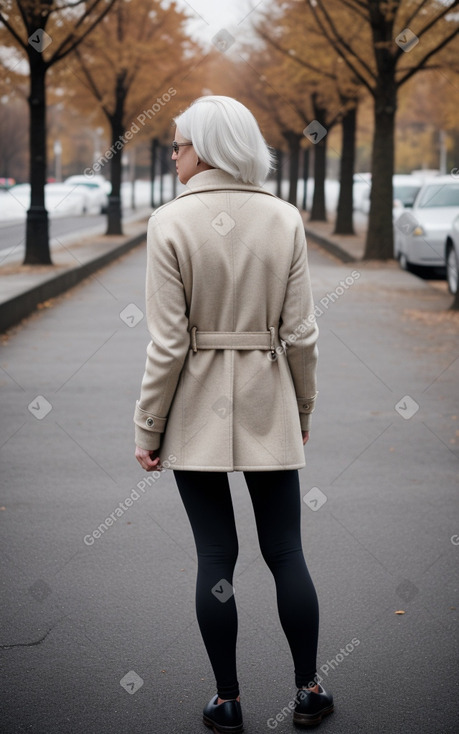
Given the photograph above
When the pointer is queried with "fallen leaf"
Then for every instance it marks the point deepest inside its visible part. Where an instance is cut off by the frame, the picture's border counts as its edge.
(400, 611)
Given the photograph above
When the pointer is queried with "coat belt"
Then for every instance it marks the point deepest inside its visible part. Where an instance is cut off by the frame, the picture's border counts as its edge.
(233, 339)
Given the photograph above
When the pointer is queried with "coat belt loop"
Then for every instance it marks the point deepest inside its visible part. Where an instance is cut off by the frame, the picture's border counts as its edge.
(193, 339)
(273, 343)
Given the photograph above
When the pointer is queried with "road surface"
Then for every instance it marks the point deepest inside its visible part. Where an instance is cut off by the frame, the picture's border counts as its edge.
(98, 630)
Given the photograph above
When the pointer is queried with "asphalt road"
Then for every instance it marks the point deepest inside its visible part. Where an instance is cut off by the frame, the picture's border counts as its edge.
(12, 234)
(99, 636)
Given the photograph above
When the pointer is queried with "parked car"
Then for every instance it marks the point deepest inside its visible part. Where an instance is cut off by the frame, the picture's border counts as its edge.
(64, 201)
(452, 256)
(424, 173)
(60, 200)
(6, 183)
(93, 190)
(404, 189)
(14, 202)
(420, 233)
(360, 189)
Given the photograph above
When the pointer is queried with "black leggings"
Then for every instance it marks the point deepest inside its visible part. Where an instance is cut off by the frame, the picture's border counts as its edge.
(276, 502)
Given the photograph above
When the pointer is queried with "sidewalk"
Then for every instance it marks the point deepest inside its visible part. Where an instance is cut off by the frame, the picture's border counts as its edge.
(347, 248)
(24, 287)
(98, 631)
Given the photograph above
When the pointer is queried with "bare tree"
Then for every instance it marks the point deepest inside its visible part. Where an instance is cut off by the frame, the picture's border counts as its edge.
(46, 31)
(114, 68)
(339, 90)
(398, 38)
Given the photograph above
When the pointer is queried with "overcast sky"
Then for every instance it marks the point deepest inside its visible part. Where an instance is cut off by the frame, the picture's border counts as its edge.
(210, 16)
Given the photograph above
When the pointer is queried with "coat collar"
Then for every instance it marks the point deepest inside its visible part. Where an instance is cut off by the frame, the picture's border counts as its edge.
(215, 180)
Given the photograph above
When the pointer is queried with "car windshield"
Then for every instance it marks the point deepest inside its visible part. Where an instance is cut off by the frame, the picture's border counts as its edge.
(84, 183)
(406, 193)
(439, 195)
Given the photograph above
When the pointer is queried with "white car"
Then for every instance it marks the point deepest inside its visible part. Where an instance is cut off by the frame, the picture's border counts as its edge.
(360, 189)
(94, 190)
(404, 190)
(60, 200)
(420, 233)
(64, 201)
(15, 202)
(452, 256)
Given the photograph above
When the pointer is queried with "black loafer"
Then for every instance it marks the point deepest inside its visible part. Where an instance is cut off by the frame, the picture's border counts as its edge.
(312, 707)
(223, 718)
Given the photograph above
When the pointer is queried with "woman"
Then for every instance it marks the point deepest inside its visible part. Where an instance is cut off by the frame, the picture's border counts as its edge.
(230, 383)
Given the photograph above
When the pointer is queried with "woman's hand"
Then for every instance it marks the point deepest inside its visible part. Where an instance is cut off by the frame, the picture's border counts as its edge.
(148, 460)
(305, 435)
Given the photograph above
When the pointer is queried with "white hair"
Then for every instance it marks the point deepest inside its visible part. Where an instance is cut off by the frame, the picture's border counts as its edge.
(226, 135)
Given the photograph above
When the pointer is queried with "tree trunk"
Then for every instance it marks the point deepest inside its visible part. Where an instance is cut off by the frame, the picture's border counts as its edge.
(344, 217)
(117, 129)
(132, 167)
(379, 244)
(305, 178)
(318, 211)
(293, 140)
(154, 158)
(37, 237)
(280, 161)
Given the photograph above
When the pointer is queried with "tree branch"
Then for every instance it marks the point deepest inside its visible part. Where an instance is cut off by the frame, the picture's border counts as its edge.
(298, 60)
(13, 32)
(431, 53)
(362, 3)
(436, 19)
(91, 83)
(26, 19)
(332, 39)
(65, 7)
(341, 40)
(415, 12)
(58, 55)
(363, 13)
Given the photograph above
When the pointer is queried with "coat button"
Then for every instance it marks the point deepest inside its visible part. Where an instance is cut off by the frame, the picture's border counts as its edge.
(150, 422)
(306, 406)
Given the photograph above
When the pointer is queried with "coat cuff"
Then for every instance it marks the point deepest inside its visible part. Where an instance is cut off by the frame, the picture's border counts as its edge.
(305, 421)
(147, 439)
(148, 429)
(305, 408)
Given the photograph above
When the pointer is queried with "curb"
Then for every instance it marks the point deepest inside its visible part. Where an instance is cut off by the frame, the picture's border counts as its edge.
(330, 246)
(22, 305)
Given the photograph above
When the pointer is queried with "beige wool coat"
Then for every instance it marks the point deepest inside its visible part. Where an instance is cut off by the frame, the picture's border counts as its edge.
(230, 376)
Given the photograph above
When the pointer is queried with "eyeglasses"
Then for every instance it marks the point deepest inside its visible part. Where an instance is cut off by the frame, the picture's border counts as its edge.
(176, 146)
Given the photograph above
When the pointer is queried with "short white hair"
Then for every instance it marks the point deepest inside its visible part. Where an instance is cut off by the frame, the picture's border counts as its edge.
(225, 135)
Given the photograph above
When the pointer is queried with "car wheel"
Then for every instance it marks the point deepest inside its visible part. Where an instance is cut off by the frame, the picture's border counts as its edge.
(404, 262)
(452, 270)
